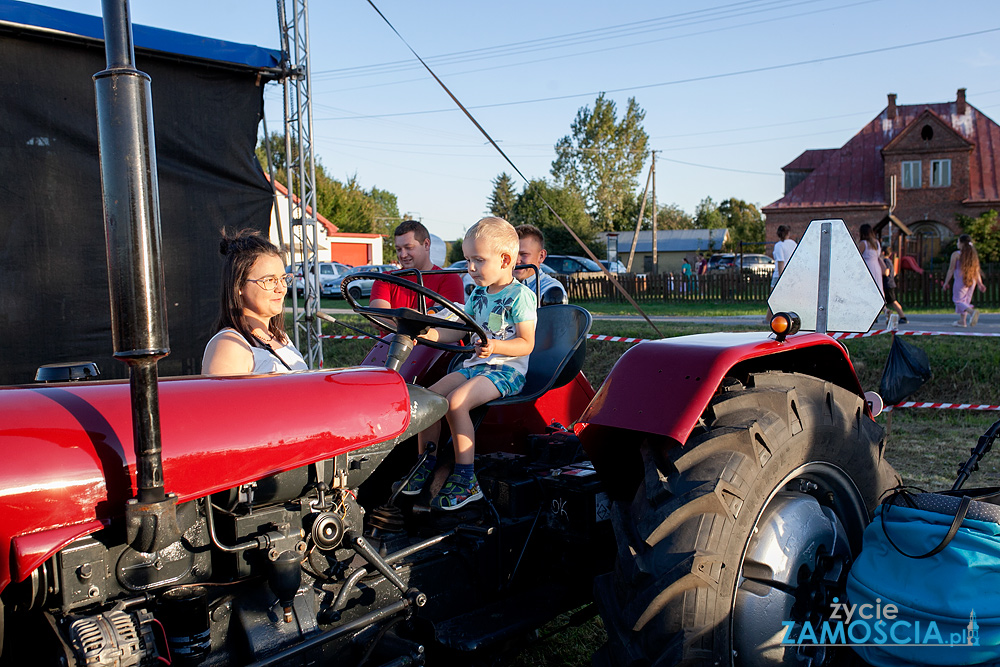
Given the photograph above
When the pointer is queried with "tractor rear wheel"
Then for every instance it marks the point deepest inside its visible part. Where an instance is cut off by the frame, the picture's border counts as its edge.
(756, 520)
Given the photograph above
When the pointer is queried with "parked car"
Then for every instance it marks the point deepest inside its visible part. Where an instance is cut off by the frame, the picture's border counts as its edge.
(752, 262)
(573, 265)
(327, 271)
(468, 283)
(614, 267)
(359, 289)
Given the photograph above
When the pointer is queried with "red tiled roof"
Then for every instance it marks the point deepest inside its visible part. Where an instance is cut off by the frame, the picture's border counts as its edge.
(810, 159)
(854, 174)
(282, 190)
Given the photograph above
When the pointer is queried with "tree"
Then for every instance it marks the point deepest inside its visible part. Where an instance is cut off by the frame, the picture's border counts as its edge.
(346, 205)
(673, 216)
(707, 216)
(602, 157)
(985, 233)
(530, 209)
(503, 197)
(745, 223)
(455, 252)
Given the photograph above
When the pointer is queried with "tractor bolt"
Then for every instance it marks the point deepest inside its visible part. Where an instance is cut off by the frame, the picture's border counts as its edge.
(85, 571)
(93, 591)
(220, 613)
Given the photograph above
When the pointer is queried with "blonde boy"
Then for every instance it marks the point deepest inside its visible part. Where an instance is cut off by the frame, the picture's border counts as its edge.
(506, 310)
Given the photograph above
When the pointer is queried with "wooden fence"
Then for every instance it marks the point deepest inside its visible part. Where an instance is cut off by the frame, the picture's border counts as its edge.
(913, 289)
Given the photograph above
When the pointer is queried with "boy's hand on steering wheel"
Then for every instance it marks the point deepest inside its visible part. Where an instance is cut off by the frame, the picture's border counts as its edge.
(485, 348)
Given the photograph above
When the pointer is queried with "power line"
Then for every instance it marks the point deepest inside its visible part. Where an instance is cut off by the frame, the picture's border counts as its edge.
(592, 52)
(709, 77)
(707, 166)
(567, 39)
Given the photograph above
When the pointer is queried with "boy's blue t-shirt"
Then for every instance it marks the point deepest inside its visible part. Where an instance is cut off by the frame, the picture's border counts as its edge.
(499, 314)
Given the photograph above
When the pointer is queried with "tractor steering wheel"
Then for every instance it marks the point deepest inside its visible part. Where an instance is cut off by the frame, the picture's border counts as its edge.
(410, 322)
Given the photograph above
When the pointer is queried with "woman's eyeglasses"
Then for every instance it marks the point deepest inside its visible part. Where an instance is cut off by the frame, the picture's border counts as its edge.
(271, 282)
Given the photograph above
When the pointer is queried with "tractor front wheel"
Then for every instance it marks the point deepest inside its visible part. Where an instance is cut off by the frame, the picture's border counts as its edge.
(754, 522)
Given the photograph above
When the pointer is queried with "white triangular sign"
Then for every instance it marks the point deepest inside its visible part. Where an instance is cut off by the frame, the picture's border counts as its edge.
(838, 288)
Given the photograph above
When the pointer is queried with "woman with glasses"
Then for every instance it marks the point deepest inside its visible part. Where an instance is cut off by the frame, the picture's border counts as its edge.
(251, 336)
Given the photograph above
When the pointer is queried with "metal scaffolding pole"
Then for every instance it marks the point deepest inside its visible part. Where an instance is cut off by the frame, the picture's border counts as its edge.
(303, 232)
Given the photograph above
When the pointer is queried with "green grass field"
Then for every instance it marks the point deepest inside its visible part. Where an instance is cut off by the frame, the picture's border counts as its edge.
(925, 446)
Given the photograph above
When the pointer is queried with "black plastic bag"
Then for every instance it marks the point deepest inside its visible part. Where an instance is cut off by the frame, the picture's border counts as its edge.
(906, 370)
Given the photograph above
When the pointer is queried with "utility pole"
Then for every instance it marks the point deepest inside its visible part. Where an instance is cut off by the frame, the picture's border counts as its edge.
(653, 174)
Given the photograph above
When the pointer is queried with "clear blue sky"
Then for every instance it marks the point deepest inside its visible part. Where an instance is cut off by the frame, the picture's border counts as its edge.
(724, 130)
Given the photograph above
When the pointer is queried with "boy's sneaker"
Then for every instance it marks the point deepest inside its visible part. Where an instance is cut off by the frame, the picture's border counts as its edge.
(975, 318)
(903, 320)
(457, 492)
(416, 483)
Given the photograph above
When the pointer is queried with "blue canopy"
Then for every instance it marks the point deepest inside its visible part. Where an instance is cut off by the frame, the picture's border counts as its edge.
(155, 39)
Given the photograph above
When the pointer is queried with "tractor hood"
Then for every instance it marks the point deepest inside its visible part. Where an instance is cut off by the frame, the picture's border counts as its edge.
(69, 463)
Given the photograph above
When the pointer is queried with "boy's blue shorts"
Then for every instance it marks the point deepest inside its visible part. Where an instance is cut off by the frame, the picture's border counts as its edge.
(507, 380)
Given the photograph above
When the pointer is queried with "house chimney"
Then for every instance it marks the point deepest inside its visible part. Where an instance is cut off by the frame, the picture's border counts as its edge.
(890, 111)
(960, 102)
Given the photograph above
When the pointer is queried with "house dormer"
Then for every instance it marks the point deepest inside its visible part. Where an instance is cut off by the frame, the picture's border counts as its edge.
(927, 154)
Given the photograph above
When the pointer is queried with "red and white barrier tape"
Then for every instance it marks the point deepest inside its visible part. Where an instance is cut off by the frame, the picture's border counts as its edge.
(617, 339)
(838, 335)
(945, 406)
(345, 337)
(877, 332)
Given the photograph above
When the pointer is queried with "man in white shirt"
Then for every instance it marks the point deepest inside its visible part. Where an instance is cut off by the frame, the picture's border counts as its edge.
(783, 250)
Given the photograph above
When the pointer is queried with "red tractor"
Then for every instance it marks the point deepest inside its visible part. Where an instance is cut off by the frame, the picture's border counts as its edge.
(715, 487)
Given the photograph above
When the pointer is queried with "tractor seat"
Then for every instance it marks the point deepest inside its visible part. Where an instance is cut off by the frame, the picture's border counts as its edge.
(560, 337)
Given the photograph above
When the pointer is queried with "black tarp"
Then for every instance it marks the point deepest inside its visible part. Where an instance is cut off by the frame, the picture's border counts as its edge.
(54, 303)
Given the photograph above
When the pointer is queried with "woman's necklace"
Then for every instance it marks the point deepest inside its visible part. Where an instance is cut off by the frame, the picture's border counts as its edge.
(267, 341)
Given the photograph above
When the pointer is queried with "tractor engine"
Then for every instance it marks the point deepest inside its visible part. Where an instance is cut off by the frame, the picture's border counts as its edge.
(243, 581)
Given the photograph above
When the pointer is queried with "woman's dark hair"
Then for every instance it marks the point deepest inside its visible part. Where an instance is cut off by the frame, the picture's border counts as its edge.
(242, 250)
(782, 232)
(866, 233)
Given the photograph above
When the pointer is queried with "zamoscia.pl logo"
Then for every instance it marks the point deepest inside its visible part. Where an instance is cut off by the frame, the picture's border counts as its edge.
(874, 625)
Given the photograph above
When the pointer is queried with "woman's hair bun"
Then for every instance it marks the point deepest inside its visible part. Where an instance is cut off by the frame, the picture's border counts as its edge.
(245, 240)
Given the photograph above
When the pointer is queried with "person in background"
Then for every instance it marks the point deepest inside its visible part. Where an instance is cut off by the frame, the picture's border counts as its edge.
(701, 268)
(413, 250)
(686, 273)
(506, 310)
(531, 250)
(964, 268)
(250, 334)
(889, 284)
(871, 252)
(782, 252)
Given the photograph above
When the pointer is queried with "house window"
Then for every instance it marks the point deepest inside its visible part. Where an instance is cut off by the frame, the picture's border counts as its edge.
(911, 174)
(940, 173)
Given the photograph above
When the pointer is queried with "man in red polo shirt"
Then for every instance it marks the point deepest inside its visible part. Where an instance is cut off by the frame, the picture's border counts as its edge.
(413, 251)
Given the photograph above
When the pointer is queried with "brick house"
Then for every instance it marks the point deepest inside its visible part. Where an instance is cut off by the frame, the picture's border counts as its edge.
(941, 159)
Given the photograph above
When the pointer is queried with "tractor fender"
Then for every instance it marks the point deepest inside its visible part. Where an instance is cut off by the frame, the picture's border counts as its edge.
(661, 388)
(69, 461)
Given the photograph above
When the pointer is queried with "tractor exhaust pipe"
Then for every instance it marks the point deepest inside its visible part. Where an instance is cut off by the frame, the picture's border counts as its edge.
(135, 274)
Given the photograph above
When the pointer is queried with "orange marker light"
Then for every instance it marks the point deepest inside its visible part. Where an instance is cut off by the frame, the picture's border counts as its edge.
(785, 324)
